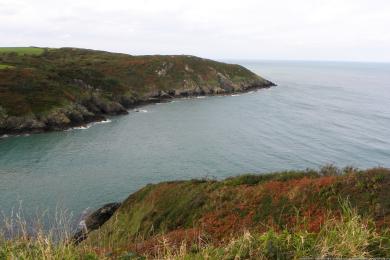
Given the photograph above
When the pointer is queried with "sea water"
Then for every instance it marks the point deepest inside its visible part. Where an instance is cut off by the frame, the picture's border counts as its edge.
(320, 113)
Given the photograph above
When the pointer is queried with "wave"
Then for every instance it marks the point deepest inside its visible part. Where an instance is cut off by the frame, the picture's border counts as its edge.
(141, 110)
(87, 126)
(102, 122)
(83, 216)
(6, 136)
(80, 127)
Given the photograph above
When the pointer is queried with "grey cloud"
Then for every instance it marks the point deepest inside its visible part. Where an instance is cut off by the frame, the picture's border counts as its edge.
(301, 29)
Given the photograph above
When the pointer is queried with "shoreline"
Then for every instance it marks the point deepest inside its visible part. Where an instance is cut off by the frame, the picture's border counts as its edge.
(137, 104)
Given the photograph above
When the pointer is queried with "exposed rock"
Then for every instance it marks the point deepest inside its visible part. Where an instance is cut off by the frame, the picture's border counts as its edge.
(205, 90)
(218, 90)
(57, 119)
(78, 114)
(177, 92)
(91, 106)
(188, 69)
(127, 101)
(198, 91)
(82, 84)
(98, 105)
(225, 83)
(95, 220)
(164, 69)
(13, 124)
(153, 94)
(3, 113)
(113, 108)
(163, 94)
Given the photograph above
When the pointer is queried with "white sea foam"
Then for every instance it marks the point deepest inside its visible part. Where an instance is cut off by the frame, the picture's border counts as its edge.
(84, 127)
(82, 225)
(4, 136)
(86, 212)
(235, 95)
(81, 127)
(140, 110)
(201, 97)
(102, 122)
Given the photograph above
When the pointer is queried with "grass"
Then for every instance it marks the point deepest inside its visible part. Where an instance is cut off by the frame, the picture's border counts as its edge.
(255, 203)
(22, 240)
(329, 212)
(5, 66)
(251, 179)
(221, 208)
(22, 50)
(347, 235)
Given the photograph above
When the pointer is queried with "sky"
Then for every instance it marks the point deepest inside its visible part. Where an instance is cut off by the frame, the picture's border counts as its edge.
(345, 30)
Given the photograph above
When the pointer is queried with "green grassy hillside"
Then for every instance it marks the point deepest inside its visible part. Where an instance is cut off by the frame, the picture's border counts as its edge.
(46, 89)
(22, 50)
(288, 215)
(218, 212)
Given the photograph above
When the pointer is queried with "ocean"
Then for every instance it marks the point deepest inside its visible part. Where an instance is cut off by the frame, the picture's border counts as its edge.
(320, 113)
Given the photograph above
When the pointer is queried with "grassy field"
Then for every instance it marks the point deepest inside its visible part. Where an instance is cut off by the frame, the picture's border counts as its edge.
(287, 215)
(5, 66)
(347, 235)
(22, 50)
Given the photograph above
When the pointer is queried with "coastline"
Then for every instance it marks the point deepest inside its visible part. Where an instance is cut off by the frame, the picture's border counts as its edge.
(161, 97)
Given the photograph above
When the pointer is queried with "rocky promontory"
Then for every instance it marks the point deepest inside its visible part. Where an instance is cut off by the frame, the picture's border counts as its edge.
(62, 88)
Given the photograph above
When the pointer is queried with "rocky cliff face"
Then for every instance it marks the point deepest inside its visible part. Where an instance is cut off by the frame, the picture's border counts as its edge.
(63, 88)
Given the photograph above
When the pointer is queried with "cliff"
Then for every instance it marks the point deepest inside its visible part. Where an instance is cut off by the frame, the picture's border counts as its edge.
(329, 213)
(303, 204)
(44, 89)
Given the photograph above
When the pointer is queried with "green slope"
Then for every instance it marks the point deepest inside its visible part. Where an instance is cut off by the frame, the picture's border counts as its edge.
(218, 211)
(328, 213)
(22, 50)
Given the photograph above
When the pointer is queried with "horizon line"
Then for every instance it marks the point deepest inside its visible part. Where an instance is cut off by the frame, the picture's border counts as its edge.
(214, 58)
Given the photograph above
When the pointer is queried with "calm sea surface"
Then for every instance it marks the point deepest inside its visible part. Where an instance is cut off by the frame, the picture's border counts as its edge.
(319, 113)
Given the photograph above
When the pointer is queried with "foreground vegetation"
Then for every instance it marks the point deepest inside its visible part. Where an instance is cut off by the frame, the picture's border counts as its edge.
(326, 213)
(48, 89)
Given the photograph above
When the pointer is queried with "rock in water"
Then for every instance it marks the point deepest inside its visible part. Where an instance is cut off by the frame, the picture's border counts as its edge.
(95, 220)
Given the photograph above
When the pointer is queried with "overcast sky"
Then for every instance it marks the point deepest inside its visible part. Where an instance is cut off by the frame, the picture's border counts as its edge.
(357, 30)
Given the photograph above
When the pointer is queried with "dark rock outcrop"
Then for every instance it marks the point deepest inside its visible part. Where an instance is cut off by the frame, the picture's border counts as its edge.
(95, 220)
(98, 105)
